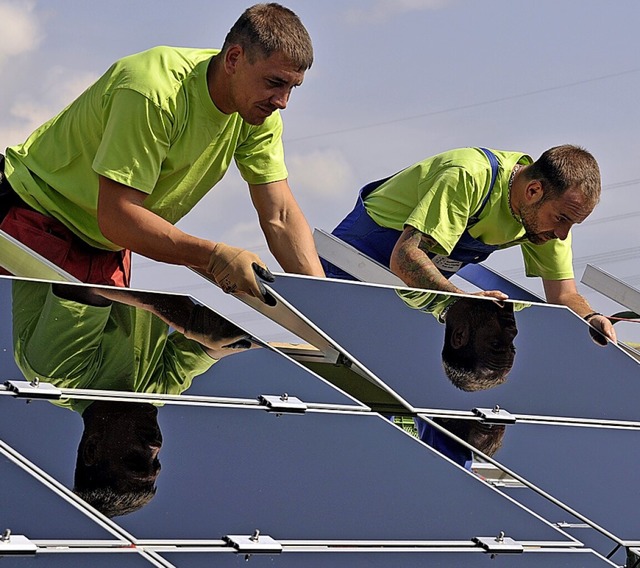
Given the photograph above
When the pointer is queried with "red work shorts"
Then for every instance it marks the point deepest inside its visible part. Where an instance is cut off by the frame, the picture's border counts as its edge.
(55, 242)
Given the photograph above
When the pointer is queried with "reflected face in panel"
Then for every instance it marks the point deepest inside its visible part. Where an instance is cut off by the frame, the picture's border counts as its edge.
(117, 464)
(478, 350)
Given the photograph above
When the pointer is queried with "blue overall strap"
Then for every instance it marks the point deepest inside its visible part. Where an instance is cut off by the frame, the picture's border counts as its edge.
(493, 161)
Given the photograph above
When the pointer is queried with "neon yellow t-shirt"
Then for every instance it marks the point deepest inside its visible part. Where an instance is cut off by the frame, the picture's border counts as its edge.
(438, 195)
(148, 123)
(437, 303)
(118, 347)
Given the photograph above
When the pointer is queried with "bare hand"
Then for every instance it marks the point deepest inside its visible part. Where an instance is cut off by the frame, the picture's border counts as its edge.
(604, 326)
(495, 294)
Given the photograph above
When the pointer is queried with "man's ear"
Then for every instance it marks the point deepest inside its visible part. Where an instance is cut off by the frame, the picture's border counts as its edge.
(460, 335)
(90, 450)
(232, 57)
(533, 191)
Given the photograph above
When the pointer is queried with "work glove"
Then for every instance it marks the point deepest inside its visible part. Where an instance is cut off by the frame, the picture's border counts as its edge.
(236, 270)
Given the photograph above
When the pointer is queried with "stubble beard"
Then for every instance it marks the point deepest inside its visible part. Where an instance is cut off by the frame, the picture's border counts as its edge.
(530, 224)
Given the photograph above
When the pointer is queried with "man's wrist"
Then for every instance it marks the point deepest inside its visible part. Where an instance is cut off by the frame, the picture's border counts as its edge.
(591, 315)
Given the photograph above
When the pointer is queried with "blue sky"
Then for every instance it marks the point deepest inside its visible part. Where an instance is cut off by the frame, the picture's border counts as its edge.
(393, 82)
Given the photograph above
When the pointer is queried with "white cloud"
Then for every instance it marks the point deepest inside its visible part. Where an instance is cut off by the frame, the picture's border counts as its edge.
(322, 174)
(382, 10)
(23, 113)
(19, 29)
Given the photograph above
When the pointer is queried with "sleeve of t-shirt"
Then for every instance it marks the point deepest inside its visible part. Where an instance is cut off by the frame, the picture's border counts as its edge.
(182, 360)
(135, 140)
(449, 199)
(260, 157)
(551, 261)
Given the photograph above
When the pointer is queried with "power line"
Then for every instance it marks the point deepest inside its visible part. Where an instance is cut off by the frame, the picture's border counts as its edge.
(612, 218)
(620, 184)
(596, 259)
(468, 106)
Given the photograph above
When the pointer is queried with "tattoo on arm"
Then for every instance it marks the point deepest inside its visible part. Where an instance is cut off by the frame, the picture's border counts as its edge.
(426, 243)
(417, 268)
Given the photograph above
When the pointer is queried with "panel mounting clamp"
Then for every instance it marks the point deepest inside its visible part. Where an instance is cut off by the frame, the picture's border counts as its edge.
(500, 543)
(15, 545)
(33, 389)
(253, 544)
(495, 415)
(283, 403)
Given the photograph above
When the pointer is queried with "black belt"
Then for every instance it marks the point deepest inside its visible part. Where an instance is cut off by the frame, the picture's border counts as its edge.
(3, 180)
(8, 197)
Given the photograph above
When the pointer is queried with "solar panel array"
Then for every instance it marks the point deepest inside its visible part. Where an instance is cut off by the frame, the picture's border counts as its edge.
(200, 444)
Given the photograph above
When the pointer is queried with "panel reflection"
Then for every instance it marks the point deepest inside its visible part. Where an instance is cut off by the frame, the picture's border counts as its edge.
(116, 339)
(487, 438)
(478, 350)
(419, 344)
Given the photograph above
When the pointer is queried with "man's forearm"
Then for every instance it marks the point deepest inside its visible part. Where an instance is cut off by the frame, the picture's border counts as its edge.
(410, 262)
(291, 243)
(565, 292)
(127, 223)
(284, 226)
(577, 303)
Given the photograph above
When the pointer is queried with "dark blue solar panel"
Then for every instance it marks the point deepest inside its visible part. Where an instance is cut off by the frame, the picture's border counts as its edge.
(584, 559)
(592, 470)
(404, 348)
(29, 508)
(97, 359)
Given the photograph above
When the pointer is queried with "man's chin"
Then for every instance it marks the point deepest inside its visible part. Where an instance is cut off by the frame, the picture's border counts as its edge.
(255, 118)
(539, 239)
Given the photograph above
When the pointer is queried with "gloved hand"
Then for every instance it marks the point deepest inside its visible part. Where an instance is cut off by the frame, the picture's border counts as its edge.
(235, 269)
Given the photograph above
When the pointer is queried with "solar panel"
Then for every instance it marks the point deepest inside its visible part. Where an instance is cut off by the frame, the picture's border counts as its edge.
(260, 458)
(430, 559)
(381, 329)
(231, 470)
(29, 507)
(133, 345)
(600, 463)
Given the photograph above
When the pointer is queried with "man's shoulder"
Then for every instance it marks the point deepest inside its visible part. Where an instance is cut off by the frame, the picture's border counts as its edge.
(159, 69)
(469, 156)
(168, 55)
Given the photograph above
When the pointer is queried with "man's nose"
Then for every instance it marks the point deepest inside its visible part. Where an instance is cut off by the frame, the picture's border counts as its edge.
(280, 99)
(562, 233)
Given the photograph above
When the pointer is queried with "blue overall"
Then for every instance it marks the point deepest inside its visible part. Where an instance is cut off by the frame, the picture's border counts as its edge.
(363, 233)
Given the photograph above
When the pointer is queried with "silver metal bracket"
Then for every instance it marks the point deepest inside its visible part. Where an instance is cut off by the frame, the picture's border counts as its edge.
(33, 389)
(283, 403)
(15, 545)
(253, 544)
(495, 415)
(500, 543)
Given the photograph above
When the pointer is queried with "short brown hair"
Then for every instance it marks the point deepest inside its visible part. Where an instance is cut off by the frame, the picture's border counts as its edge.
(265, 29)
(563, 167)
